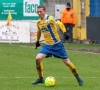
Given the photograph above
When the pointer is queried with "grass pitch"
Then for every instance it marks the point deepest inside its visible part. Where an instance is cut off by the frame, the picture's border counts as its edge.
(17, 68)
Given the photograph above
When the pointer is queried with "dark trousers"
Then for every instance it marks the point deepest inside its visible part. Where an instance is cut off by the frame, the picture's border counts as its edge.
(69, 29)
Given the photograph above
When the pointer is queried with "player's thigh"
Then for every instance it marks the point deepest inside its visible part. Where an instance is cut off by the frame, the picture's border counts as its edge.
(66, 61)
(40, 57)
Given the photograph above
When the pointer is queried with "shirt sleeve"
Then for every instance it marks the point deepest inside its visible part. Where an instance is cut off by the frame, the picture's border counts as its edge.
(38, 33)
(52, 20)
(62, 27)
(58, 23)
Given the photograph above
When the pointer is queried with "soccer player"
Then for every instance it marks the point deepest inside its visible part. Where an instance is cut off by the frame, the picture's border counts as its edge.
(52, 44)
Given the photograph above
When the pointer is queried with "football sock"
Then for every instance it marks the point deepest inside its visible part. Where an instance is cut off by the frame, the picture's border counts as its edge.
(73, 69)
(39, 67)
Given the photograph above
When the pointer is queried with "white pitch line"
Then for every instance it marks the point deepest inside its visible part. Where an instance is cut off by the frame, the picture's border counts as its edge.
(36, 77)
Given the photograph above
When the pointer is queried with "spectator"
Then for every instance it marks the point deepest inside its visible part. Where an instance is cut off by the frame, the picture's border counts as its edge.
(68, 19)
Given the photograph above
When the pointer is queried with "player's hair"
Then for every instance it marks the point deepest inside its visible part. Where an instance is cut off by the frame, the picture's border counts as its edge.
(42, 6)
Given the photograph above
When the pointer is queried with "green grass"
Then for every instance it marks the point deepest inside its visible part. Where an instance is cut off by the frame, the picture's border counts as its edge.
(17, 68)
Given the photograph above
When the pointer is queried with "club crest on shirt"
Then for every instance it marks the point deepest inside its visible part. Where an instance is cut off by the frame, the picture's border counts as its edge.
(44, 29)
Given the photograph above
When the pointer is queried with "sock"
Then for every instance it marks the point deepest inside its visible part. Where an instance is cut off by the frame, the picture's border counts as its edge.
(73, 69)
(39, 67)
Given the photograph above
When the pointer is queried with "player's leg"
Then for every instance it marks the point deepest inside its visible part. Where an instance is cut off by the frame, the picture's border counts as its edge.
(60, 52)
(39, 67)
(74, 71)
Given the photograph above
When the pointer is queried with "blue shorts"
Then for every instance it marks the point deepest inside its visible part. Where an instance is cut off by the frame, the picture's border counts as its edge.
(57, 50)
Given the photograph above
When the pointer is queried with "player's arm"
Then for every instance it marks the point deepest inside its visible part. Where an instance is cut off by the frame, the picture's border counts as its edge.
(38, 37)
(51, 20)
(62, 27)
(38, 34)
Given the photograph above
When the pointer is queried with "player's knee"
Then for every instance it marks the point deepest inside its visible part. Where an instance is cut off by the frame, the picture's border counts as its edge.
(67, 62)
(38, 59)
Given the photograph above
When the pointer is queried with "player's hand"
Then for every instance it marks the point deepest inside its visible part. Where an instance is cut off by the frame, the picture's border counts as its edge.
(37, 44)
(66, 36)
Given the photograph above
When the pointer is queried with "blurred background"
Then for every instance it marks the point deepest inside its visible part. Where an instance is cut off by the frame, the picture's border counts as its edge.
(24, 11)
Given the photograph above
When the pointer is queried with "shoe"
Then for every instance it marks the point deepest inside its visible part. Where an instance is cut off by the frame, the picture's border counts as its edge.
(39, 80)
(80, 81)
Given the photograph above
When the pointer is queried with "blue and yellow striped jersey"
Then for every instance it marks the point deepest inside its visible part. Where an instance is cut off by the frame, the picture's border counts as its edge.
(48, 26)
